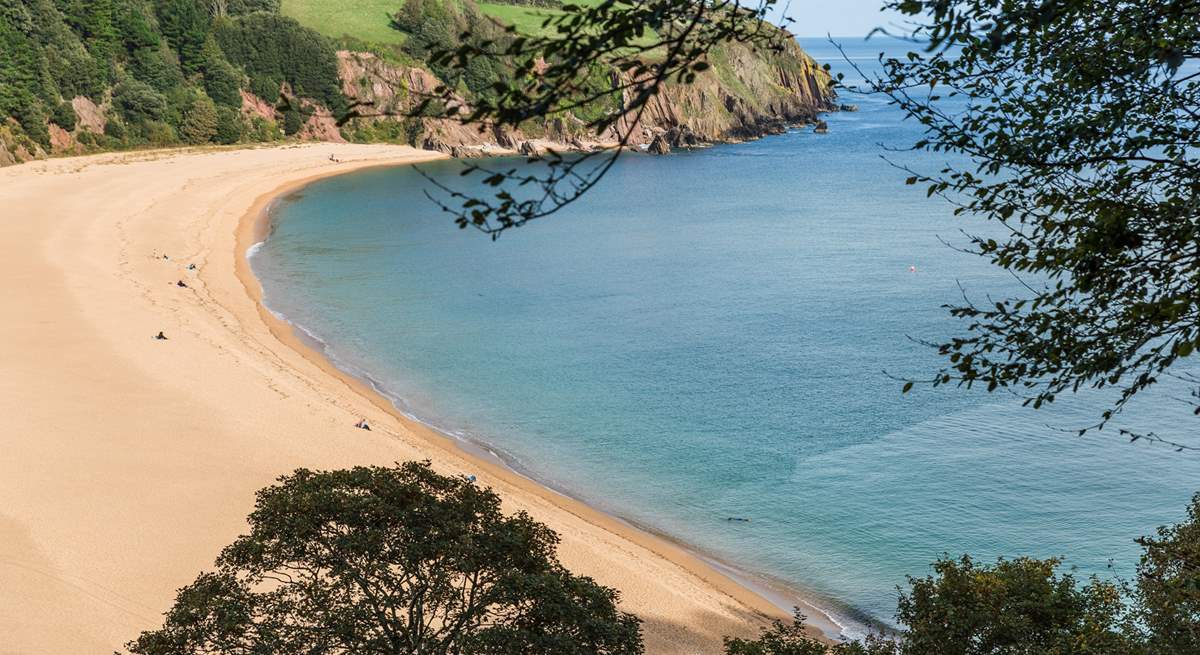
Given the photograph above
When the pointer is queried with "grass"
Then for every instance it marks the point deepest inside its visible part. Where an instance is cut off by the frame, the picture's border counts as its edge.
(527, 19)
(364, 20)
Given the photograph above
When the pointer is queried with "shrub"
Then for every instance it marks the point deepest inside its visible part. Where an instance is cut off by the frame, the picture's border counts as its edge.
(64, 116)
(292, 122)
(199, 121)
(138, 101)
(229, 126)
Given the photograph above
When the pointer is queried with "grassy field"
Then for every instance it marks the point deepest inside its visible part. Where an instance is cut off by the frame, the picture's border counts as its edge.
(527, 20)
(365, 20)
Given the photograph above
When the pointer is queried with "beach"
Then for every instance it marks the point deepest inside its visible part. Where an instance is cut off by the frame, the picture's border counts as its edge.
(127, 462)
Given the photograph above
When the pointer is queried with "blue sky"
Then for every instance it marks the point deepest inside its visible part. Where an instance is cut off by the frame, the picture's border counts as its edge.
(836, 17)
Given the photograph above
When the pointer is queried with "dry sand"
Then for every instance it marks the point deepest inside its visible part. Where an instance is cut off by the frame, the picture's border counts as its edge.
(126, 463)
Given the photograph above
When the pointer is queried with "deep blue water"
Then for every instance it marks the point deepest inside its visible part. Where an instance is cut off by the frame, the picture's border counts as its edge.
(705, 336)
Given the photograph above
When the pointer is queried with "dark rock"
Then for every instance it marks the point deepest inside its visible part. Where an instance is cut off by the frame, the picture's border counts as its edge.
(529, 149)
(821, 128)
(660, 145)
(847, 107)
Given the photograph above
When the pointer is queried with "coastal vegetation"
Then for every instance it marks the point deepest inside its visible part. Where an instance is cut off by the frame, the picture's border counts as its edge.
(405, 560)
(391, 560)
(1031, 607)
(85, 76)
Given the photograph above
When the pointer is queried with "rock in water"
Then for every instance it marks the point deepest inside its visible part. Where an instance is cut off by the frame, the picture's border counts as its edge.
(660, 145)
(821, 128)
(848, 107)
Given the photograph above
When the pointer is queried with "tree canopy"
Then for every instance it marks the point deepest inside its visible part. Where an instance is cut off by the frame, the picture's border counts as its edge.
(391, 560)
(1081, 124)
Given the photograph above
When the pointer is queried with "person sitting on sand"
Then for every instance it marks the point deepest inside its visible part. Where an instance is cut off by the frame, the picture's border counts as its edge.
(362, 424)
(181, 284)
(160, 336)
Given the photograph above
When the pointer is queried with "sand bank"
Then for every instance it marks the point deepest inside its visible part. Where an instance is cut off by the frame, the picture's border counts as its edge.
(126, 463)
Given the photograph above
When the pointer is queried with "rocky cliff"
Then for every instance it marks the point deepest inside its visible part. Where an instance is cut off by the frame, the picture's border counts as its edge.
(743, 95)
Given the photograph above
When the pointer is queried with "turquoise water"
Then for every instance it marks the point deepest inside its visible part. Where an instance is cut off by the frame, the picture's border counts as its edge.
(705, 336)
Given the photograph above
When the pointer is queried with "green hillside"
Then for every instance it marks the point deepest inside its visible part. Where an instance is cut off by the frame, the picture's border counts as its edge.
(364, 20)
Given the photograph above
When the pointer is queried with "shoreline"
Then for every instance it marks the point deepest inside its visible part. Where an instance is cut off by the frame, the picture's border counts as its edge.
(254, 229)
(130, 461)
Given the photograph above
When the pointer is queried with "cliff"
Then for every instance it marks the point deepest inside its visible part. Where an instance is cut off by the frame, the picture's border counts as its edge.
(743, 95)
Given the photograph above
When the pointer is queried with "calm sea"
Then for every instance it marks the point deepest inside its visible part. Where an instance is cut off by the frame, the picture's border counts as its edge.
(705, 336)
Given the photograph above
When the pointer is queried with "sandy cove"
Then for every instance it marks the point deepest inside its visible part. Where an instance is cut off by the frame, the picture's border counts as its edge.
(126, 463)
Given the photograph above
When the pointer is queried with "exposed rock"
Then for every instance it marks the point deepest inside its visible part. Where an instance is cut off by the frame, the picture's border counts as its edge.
(660, 145)
(530, 149)
(845, 107)
(821, 128)
(321, 126)
(62, 142)
(253, 106)
(89, 117)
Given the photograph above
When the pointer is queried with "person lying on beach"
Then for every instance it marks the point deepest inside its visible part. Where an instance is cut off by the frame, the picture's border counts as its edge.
(362, 423)
(160, 336)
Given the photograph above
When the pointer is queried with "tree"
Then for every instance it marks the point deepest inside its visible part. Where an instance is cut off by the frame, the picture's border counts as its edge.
(200, 121)
(391, 560)
(1027, 607)
(185, 25)
(1079, 128)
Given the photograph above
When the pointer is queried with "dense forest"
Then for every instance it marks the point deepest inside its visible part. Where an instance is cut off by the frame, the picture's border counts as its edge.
(154, 72)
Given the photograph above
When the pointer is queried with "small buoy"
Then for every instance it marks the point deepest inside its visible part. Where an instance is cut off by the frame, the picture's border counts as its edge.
(912, 269)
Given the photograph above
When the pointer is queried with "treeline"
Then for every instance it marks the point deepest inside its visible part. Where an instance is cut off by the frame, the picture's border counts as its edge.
(156, 72)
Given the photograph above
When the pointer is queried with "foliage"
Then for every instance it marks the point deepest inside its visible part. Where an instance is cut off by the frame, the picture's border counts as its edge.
(390, 560)
(275, 50)
(1085, 152)
(222, 82)
(184, 23)
(1028, 607)
(293, 122)
(242, 7)
(64, 116)
(200, 121)
(230, 128)
(138, 101)
(1167, 599)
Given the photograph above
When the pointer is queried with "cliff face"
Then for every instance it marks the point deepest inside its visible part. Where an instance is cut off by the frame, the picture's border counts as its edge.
(742, 95)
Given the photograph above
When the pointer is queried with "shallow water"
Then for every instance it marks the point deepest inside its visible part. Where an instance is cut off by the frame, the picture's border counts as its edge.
(704, 336)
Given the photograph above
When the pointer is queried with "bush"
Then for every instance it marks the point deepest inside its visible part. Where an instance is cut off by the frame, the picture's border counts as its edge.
(115, 129)
(361, 560)
(138, 101)
(222, 82)
(292, 122)
(229, 126)
(199, 121)
(64, 116)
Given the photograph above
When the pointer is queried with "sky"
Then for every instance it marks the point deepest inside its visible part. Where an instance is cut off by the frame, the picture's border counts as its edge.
(836, 17)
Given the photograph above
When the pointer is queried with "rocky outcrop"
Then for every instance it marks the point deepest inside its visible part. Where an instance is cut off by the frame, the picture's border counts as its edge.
(745, 94)
(89, 116)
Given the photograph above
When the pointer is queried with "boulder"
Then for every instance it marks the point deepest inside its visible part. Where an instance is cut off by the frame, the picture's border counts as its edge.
(660, 145)
(821, 128)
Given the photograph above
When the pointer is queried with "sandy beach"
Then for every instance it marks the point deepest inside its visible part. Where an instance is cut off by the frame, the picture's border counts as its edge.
(126, 463)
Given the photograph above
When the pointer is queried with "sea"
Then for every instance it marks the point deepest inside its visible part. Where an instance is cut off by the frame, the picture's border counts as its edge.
(721, 334)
